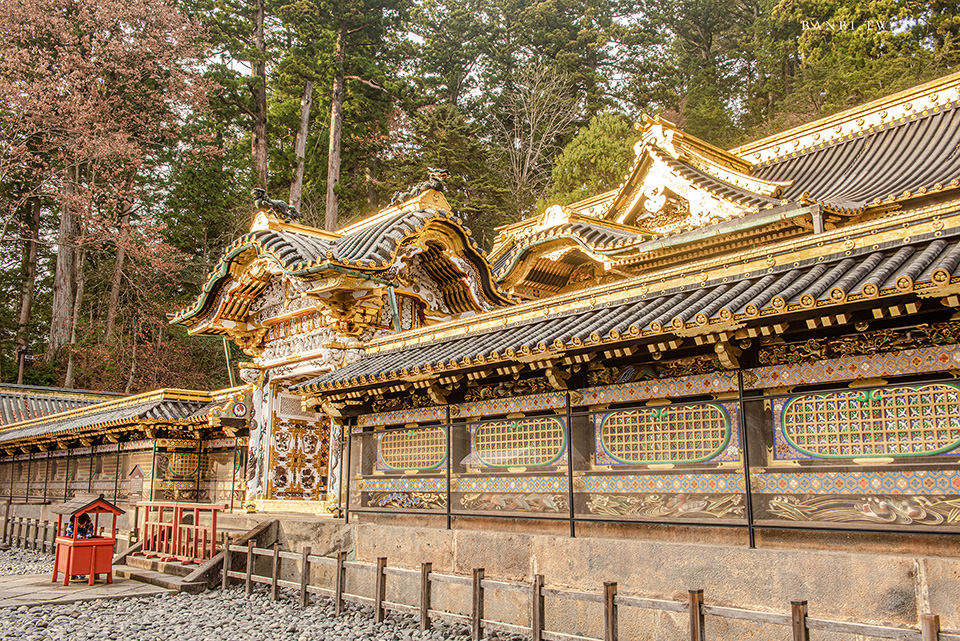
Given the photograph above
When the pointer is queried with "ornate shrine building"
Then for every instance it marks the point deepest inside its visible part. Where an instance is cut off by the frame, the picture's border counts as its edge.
(164, 445)
(761, 337)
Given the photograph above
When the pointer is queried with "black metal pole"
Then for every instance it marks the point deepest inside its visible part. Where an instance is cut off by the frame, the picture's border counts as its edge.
(234, 469)
(66, 473)
(153, 468)
(116, 477)
(573, 523)
(26, 494)
(745, 452)
(46, 476)
(343, 437)
(449, 467)
(90, 476)
(196, 486)
(346, 505)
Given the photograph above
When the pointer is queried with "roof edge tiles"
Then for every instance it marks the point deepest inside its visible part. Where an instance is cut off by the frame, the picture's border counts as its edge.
(853, 121)
(155, 395)
(658, 313)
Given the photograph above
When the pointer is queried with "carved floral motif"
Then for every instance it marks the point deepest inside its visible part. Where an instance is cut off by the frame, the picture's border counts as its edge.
(408, 500)
(878, 341)
(664, 505)
(486, 502)
(915, 510)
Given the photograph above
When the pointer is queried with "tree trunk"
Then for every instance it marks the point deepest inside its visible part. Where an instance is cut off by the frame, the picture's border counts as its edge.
(133, 363)
(117, 279)
(63, 297)
(258, 87)
(296, 187)
(336, 120)
(28, 271)
(74, 317)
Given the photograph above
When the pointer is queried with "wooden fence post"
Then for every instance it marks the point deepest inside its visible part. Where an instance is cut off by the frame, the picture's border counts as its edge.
(46, 531)
(381, 590)
(340, 580)
(275, 571)
(536, 611)
(798, 614)
(425, 569)
(476, 620)
(929, 627)
(696, 615)
(19, 531)
(305, 576)
(36, 532)
(249, 580)
(227, 562)
(610, 627)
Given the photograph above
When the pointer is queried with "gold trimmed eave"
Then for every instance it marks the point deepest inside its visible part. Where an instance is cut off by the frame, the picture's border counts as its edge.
(147, 412)
(366, 253)
(895, 273)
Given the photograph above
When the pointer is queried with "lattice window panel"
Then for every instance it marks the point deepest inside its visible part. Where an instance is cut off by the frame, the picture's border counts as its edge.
(681, 434)
(525, 442)
(415, 449)
(289, 407)
(896, 421)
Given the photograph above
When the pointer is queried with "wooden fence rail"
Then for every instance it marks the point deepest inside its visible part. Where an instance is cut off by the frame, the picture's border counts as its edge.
(797, 620)
(29, 534)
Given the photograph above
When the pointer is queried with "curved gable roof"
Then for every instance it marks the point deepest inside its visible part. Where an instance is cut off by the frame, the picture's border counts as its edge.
(366, 251)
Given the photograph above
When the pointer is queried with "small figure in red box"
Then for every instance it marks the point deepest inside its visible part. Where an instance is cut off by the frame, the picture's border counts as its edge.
(81, 550)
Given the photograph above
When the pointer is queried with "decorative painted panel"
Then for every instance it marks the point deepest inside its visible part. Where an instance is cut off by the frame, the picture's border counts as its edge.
(712, 383)
(898, 422)
(524, 442)
(298, 459)
(415, 449)
(399, 417)
(669, 434)
(694, 433)
(893, 482)
(656, 483)
(909, 361)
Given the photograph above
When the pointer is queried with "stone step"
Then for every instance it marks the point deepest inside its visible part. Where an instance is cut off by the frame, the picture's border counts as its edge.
(167, 581)
(174, 568)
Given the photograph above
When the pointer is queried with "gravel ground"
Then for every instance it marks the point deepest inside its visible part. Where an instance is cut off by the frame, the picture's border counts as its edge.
(217, 616)
(16, 561)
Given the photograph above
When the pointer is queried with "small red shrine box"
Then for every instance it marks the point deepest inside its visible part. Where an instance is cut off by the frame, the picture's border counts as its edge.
(81, 551)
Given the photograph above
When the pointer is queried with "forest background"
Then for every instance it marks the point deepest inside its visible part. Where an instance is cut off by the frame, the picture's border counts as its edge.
(132, 131)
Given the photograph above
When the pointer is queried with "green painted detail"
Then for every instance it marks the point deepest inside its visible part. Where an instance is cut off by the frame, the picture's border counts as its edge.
(898, 422)
(681, 434)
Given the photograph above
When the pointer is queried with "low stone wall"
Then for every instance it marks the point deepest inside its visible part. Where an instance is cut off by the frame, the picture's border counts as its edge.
(882, 589)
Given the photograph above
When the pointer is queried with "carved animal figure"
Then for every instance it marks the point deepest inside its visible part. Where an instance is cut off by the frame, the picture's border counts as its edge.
(278, 207)
(435, 178)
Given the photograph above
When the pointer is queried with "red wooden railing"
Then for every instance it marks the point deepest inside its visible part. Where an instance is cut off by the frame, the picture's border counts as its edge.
(186, 532)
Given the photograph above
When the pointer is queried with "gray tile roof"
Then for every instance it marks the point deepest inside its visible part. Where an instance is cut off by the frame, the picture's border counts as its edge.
(157, 409)
(851, 173)
(893, 268)
(370, 250)
(24, 402)
(372, 246)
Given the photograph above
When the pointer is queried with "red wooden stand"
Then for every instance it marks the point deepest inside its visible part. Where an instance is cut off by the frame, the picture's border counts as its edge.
(90, 556)
(76, 557)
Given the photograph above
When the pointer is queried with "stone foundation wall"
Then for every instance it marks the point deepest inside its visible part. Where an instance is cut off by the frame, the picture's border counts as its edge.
(877, 588)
